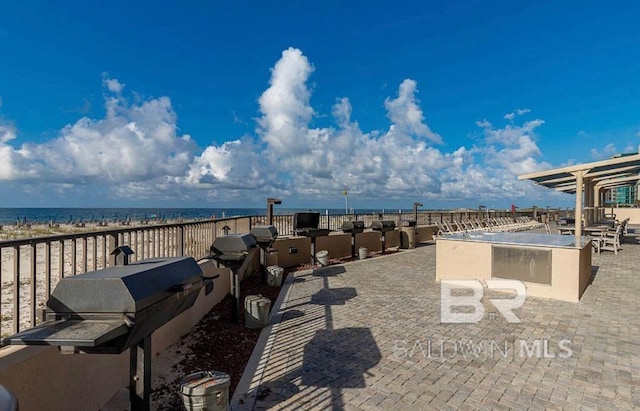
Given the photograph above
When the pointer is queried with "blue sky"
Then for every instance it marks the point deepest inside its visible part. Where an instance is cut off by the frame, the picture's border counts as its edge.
(210, 103)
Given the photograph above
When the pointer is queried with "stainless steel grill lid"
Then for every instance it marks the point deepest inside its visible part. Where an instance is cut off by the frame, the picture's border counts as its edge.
(353, 226)
(123, 289)
(233, 244)
(264, 233)
(383, 225)
(409, 223)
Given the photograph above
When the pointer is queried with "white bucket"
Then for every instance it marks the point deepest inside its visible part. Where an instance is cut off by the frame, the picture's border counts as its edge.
(274, 276)
(256, 311)
(323, 258)
(362, 253)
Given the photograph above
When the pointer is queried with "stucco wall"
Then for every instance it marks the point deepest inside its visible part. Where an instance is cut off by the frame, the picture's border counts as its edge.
(369, 240)
(425, 233)
(338, 245)
(286, 258)
(621, 213)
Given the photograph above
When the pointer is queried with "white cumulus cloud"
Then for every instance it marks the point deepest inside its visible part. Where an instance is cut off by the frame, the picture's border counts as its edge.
(112, 84)
(605, 152)
(136, 150)
(518, 112)
(285, 105)
(512, 148)
(406, 115)
(133, 142)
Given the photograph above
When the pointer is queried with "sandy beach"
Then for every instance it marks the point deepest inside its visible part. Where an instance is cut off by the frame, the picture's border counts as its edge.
(8, 256)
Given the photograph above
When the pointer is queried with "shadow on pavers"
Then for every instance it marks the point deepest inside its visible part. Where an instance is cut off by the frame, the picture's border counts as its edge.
(332, 360)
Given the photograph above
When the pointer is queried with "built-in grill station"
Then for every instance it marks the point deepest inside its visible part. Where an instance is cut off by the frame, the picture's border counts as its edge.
(231, 251)
(111, 310)
(383, 226)
(306, 225)
(265, 236)
(353, 227)
(409, 223)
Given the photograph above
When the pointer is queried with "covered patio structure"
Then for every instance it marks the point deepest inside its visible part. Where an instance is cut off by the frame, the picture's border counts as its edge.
(588, 182)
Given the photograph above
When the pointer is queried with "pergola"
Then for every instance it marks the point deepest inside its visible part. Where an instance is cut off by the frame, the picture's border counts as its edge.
(588, 180)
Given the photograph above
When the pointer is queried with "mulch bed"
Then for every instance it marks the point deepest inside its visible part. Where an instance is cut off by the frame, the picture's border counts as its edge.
(217, 343)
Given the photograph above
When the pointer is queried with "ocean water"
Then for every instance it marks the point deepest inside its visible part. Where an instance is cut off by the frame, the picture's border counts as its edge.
(74, 215)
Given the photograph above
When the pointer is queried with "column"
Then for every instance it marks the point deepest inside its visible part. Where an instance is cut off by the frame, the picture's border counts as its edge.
(588, 203)
(578, 210)
(596, 202)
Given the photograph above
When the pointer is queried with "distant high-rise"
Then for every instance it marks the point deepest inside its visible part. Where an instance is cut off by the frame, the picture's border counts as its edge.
(621, 195)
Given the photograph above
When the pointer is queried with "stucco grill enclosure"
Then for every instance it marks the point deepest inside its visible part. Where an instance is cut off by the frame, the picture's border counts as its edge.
(111, 310)
(383, 226)
(353, 228)
(306, 225)
(551, 265)
(587, 180)
(231, 251)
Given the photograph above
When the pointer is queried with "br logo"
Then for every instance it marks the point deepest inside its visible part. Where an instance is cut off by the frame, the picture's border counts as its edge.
(469, 294)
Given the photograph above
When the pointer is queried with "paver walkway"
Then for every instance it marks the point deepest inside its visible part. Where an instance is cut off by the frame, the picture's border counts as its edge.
(367, 335)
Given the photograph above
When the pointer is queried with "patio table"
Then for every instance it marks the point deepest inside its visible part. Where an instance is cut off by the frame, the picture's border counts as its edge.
(589, 229)
(596, 232)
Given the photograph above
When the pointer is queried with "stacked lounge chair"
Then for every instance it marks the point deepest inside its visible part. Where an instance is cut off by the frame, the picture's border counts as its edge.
(498, 224)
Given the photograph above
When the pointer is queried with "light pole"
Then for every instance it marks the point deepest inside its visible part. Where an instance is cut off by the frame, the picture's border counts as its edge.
(345, 192)
(270, 203)
(415, 210)
(480, 208)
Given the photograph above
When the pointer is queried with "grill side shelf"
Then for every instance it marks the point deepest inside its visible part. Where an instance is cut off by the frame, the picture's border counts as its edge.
(80, 333)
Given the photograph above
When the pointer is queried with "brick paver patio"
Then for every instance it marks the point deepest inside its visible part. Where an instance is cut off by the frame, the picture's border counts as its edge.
(367, 335)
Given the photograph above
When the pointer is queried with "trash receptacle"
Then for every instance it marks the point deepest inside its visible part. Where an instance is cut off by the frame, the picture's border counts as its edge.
(408, 233)
(256, 311)
(362, 253)
(323, 258)
(274, 276)
(205, 391)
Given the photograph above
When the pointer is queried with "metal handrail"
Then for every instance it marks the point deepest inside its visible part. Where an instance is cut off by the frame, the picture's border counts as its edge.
(31, 267)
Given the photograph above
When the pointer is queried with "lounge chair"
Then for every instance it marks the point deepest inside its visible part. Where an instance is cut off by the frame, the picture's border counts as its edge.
(442, 230)
(449, 227)
(610, 240)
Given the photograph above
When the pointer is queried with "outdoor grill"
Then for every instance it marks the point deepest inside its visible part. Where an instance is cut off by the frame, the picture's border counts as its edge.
(306, 225)
(231, 251)
(108, 311)
(409, 223)
(265, 236)
(353, 227)
(383, 226)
